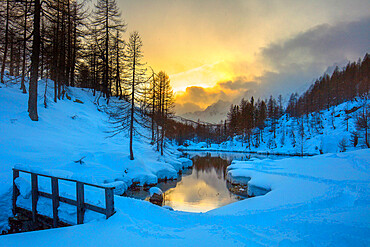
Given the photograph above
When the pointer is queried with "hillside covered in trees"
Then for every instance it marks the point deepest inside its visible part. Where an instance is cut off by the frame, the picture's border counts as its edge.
(330, 90)
(67, 44)
(333, 101)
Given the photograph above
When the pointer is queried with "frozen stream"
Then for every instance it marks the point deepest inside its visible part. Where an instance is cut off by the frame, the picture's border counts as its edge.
(203, 187)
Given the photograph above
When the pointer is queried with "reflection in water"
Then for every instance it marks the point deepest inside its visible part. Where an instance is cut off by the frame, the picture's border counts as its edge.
(203, 187)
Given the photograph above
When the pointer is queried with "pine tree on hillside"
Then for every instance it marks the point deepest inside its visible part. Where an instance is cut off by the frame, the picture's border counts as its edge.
(118, 65)
(135, 78)
(164, 107)
(129, 113)
(301, 135)
(107, 21)
(363, 122)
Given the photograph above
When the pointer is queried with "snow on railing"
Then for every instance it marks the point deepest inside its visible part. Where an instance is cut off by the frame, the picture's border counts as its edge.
(56, 198)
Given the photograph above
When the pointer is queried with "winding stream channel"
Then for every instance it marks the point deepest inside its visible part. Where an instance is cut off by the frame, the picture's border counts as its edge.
(204, 186)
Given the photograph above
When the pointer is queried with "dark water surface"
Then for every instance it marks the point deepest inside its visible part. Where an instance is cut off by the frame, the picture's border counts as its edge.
(203, 187)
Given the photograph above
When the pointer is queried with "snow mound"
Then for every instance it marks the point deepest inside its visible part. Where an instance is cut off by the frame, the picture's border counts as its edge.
(186, 163)
(155, 190)
(24, 187)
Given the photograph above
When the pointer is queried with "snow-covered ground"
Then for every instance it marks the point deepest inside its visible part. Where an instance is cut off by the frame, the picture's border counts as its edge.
(66, 132)
(314, 201)
(322, 134)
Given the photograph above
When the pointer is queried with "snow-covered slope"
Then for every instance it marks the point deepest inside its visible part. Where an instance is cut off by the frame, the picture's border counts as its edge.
(66, 132)
(316, 201)
(322, 133)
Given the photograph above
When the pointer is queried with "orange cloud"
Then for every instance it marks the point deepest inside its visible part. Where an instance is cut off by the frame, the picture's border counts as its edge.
(219, 49)
(196, 98)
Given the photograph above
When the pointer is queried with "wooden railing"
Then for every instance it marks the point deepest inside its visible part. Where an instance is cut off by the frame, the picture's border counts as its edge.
(56, 198)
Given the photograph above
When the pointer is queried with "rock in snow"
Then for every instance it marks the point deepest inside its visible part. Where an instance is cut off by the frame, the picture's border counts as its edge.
(155, 190)
(156, 196)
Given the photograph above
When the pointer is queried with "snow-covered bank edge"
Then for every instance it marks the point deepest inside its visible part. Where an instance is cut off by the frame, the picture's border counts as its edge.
(245, 181)
(182, 149)
(185, 163)
(295, 179)
(314, 201)
(67, 213)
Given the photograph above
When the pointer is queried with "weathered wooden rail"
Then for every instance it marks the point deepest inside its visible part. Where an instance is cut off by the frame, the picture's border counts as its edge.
(56, 198)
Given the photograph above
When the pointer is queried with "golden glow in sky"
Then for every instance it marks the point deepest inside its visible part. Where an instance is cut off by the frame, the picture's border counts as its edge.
(208, 42)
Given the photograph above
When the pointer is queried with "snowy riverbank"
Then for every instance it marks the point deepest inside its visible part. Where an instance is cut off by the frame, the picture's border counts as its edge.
(315, 201)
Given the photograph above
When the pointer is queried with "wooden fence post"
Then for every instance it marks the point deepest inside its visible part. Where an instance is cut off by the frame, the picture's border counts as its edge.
(35, 195)
(55, 198)
(80, 202)
(109, 202)
(15, 191)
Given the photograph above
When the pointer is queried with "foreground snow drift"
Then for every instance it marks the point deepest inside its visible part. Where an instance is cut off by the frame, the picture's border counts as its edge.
(317, 201)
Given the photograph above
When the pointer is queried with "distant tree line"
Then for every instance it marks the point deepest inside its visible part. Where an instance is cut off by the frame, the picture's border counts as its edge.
(327, 91)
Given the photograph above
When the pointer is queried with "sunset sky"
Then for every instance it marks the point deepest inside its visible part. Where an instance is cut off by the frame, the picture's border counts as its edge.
(229, 49)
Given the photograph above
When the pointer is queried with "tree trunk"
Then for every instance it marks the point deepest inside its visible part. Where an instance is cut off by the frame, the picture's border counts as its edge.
(159, 113)
(23, 87)
(69, 45)
(6, 42)
(42, 47)
(74, 47)
(163, 115)
(18, 64)
(32, 100)
(62, 57)
(132, 106)
(153, 107)
(11, 60)
(118, 81)
(56, 56)
(94, 73)
(106, 80)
